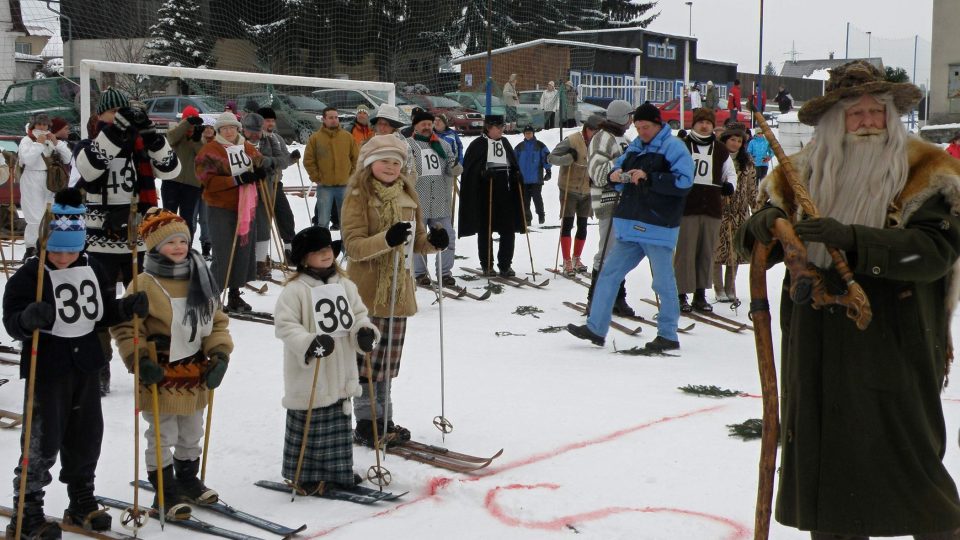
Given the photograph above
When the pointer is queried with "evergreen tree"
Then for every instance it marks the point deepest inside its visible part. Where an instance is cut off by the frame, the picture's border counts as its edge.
(896, 75)
(180, 37)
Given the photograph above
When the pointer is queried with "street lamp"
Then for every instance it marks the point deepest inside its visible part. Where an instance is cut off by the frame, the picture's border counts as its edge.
(690, 5)
(869, 40)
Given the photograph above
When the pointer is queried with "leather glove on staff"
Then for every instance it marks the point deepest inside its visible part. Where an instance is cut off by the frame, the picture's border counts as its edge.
(320, 347)
(366, 339)
(827, 231)
(295, 155)
(398, 233)
(150, 371)
(760, 224)
(251, 176)
(439, 238)
(216, 369)
(136, 304)
(37, 315)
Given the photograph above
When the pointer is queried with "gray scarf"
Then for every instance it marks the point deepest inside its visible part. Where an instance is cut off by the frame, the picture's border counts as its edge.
(203, 294)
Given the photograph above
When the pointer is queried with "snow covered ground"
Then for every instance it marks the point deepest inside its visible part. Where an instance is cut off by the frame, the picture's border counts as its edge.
(595, 443)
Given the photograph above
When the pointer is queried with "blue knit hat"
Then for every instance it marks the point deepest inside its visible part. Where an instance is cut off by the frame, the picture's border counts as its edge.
(68, 228)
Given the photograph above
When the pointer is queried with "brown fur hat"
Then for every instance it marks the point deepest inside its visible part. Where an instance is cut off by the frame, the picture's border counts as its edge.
(858, 78)
(704, 113)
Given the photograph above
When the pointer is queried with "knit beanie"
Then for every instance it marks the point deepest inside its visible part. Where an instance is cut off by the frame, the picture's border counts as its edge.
(647, 112)
(267, 112)
(593, 122)
(68, 229)
(704, 113)
(57, 124)
(384, 146)
(110, 99)
(226, 118)
(160, 225)
(419, 115)
(189, 111)
(252, 122)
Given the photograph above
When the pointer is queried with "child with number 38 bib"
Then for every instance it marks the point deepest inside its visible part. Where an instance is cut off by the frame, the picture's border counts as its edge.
(320, 318)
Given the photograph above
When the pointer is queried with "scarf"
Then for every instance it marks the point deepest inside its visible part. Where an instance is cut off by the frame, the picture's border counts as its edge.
(701, 140)
(390, 213)
(434, 143)
(321, 274)
(614, 129)
(203, 294)
(246, 198)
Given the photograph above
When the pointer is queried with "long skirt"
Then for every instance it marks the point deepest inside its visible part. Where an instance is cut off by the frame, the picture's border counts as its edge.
(329, 453)
(223, 230)
(379, 356)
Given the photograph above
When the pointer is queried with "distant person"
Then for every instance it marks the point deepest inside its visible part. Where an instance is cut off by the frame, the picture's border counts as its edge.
(441, 126)
(696, 100)
(511, 100)
(762, 105)
(182, 194)
(759, 150)
(362, 131)
(550, 103)
(39, 142)
(733, 99)
(784, 100)
(532, 158)
(712, 99)
(330, 158)
(569, 103)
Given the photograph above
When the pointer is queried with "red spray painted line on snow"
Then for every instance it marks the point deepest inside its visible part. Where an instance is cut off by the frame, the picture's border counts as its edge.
(436, 484)
(558, 524)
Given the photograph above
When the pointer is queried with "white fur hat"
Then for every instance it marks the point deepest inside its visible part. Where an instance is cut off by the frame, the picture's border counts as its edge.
(225, 119)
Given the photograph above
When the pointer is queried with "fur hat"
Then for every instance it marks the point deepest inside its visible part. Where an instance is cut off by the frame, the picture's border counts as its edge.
(649, 112)
(388, 112)
(618, 112)
(267, 112)
(160, 225)
(704, 113)
(493, 119)
(309, 240)
(419, 115)
(68, 228)
(57, 124)
(226, 118)
(189, 111)
(110, 99)
(384, 146)
(858, 78)
(252, 122)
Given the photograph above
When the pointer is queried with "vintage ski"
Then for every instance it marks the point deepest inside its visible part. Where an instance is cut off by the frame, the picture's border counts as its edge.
(259, 290)
(463, 290)
(446, 292)
(358, 494)
(441, 451)
(252, 316)
(9, 349)
(191, 523)
(648, 322)
(735, 328)
(437, 460)
(613, 324)
(9, 420)
(225, 509)
(6, 511)
(576, 278)
(725, 320)
(497, 279)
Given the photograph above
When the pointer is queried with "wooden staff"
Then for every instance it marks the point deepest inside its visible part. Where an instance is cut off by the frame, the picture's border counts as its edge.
(490, 227)
(563, 213)
(306, 429)
(132, 517)
(526, 230)
(157, 440)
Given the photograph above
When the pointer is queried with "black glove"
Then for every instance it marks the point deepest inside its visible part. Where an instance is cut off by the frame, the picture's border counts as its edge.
(547, 175)
(827, 231)
(398, 233)
(37, 315)
(132, 118)
(197, 134)
(320, 347)
(295, 155)
(573, 153)
(195, 121)
(135, 304)
(150, 371)
(726, 189)
(439, 238)
(246, 177)
(759, 225)
(216, 369)
(366, 339)
(260, 172)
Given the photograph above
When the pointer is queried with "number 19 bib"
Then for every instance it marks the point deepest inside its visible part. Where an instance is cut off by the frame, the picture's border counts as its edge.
(331, 310)
(78, 301)
(429, 162)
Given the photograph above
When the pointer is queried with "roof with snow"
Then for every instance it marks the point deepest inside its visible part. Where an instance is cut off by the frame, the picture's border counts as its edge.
(805, 68)
(538, 42)
(627, 29)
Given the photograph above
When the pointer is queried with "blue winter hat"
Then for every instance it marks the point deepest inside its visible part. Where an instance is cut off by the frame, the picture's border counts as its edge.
(68, 228)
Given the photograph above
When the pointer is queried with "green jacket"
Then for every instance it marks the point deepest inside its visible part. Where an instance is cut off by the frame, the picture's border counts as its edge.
(186, 149)
(862, 431)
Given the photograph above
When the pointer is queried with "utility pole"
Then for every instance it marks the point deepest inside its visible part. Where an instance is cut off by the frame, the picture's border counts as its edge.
(489, 59)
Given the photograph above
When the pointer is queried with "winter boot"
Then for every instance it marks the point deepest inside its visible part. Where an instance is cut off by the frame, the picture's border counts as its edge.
(35, 525)
(700, 301)
(507, 272)
(105, 380)
(191, 488)
(578, 265)
(263, 271)
(583, 332)
(205, 251)
(423, 280)
(171, 495)
(568, 269)
(84, 511)
(685, 306)
(449, 281)
(363, 434)
(660, 344)
(620, 306)
(542, 218)
(397, 432)
(235, 303)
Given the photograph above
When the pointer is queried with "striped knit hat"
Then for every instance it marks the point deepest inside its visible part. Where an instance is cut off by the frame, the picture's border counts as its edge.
(111, 98)
(68, 228)
(160, 225)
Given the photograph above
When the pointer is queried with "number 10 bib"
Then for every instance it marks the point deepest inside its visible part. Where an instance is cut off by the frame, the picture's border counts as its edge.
(79, 304)
(331, 310)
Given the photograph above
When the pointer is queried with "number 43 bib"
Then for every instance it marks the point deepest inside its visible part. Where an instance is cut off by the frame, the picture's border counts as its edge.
(78, 301)
(331, 310)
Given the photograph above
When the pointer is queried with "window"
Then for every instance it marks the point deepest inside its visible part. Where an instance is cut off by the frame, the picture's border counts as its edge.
(659, 91)
(662, 50)
(671, 52)
(530, 98)
(42, 92)
(16, 93)
(652, 50)
(23, 48)
(164, 105)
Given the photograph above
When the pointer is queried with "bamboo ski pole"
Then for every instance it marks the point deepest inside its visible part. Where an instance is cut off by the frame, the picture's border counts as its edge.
(563, 214)
(306, 429)
(133, 517)
(489, 268)
(393, 307)
(377, 474)
(31, 381)
(268, 209)
(526, 230)
(206, 436)
(441, 421)
(306, 191)
(154, 394)
(233, 249)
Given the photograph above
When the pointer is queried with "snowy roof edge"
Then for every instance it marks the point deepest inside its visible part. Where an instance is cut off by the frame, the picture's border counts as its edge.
(545, 41)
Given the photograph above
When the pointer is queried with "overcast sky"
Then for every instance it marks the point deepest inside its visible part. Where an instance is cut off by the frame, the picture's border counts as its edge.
(728, 30)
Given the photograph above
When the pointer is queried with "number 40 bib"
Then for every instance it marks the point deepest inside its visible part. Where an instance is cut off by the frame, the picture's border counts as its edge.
(78, 301)
(331, 310)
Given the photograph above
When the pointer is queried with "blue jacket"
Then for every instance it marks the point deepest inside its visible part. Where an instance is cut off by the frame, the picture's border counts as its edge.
(650, 212)
(759, 148)
(532, 157)
(450, 135)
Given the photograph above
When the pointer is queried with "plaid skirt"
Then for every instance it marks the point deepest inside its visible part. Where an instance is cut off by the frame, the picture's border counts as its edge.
(329, 453)
(378, 358)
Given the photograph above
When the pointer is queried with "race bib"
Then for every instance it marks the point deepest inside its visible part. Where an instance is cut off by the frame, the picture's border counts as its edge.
(703, 166)
(121, 177)
(78, 301)
(240, 162)
(332, 310)
(430, 163)
(496, 154)
(186, 337)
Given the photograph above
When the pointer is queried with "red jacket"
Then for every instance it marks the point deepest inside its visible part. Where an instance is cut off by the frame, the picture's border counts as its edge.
(733, 98)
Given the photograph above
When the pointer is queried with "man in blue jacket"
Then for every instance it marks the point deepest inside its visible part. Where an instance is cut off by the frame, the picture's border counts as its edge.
(653, 177)
(532, 158)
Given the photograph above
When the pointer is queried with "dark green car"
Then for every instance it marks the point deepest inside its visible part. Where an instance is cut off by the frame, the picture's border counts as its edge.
(58, 96)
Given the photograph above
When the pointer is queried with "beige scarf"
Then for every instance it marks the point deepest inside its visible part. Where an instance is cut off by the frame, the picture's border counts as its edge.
(389, 195)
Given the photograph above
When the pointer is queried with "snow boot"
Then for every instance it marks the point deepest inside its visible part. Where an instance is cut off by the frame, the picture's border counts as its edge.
(105, 380)
(205, 248)
(423, 280)
(449, 281)
(700, 301)
(568, 268)
(507, 272)
(171, 495)
(263, 271)
(578, 266)
(84, 511)
(397, 432)
(685, 306)
(235, 303)
(191, 488)
(363, 434)
(35, 525)
(583, 332)
(620, 306)
(660, 344)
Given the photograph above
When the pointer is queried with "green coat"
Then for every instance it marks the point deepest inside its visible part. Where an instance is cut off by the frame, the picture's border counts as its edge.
(862, 430)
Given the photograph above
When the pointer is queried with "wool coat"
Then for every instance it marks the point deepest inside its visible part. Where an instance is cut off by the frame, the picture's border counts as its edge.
(862, 431)
(186, 148)
(220, 190)
(508, 216)
(573, 171)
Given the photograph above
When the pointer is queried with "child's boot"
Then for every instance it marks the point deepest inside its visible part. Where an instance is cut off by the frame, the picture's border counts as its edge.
(190, 486)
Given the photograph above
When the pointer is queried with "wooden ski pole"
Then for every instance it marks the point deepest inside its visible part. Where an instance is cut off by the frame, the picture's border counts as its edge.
(306, 429)
(268, 209)
(378, 474)
(162, 510)
(31, 381)
(306, 190)
(132, 518)
(453, 206)
(490, 227)
(206, 436)
(233, 249)
(563, 213)
(526, 230)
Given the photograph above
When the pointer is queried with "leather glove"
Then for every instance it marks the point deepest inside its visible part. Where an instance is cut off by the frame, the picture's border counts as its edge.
(398, 233)
(37, 315)
(366, 339)
(320, 347)
(573, 153)
(246, 177)
(726, 189)
(439, 238)
(150, 371)
(760, 224)
(128, 118)
(135, 304)
(547, 175)
(197, 134)
(827, 231)
(295, 155)
(195, 121)
(260, 172)
(216, 369)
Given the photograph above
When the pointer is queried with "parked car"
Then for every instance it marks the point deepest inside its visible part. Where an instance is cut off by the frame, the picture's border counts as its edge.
(466, 121)
(346, 101)
(670, 113)
(478, 101)
(298, 117)
(530, 102)
(165, 110)
(56, 97)
(585, 110)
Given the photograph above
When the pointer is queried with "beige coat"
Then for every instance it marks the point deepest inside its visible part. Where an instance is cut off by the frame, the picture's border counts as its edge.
(330, 157)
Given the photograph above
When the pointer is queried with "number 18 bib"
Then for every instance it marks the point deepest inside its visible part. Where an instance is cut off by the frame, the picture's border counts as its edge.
(79, 304)
(331, 310)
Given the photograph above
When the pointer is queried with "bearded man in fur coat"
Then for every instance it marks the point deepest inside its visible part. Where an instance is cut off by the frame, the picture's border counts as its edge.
(862, 429)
